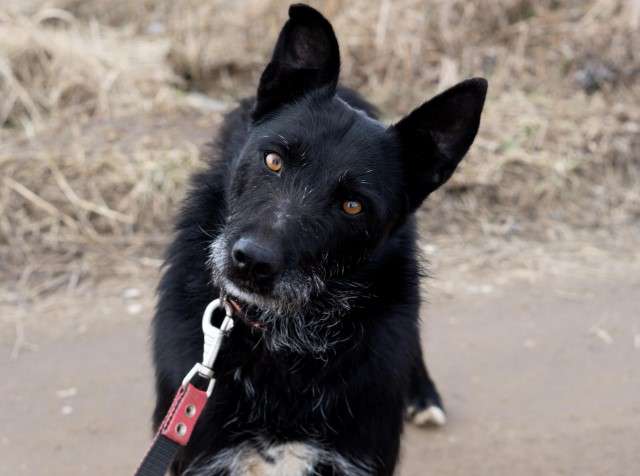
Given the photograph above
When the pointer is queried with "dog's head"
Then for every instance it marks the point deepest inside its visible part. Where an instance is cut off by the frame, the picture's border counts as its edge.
(320, 186)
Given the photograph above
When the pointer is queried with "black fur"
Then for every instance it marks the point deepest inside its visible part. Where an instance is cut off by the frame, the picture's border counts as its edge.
(327, 351)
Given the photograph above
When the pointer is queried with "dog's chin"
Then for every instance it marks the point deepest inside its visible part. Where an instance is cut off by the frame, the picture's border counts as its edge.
(289, 324)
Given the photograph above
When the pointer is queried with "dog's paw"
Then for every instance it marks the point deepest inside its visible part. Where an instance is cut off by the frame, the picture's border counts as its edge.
(430, 415)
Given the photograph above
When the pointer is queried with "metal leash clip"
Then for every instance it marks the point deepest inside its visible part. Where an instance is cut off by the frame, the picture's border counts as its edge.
(213, 337)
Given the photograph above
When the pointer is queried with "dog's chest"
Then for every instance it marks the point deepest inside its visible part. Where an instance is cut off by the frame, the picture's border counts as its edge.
(289, 459)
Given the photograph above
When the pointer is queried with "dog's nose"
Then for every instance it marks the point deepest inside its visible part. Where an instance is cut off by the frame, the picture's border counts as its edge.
(255, 260)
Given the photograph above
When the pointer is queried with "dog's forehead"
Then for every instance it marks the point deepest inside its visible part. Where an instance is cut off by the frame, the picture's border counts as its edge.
(330, 134)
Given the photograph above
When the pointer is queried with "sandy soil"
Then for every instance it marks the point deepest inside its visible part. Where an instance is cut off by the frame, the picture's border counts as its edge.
(540, 376)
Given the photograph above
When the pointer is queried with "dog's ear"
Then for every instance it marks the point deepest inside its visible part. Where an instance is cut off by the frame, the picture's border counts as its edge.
(435, 137)
(306, 57)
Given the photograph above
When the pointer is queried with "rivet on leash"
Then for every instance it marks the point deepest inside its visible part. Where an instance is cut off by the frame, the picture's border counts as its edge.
(181, 429)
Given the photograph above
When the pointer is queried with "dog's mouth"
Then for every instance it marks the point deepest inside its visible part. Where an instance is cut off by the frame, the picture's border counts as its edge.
(248, 313)
(247, 305)
(251, 297)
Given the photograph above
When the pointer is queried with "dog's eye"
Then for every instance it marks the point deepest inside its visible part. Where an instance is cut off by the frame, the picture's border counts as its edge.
(273, 162)
(352, 207)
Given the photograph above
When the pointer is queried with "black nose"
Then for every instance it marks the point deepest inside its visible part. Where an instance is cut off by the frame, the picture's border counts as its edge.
(255, 261)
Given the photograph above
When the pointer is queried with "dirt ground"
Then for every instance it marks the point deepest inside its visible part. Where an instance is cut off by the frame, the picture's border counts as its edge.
(539, 367)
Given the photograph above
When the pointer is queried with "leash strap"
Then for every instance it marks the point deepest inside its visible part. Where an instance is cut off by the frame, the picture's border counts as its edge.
(159, 457)
(188, 404)
(175, 430)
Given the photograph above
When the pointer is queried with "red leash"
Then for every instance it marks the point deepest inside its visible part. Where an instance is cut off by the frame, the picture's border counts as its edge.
(188, 404)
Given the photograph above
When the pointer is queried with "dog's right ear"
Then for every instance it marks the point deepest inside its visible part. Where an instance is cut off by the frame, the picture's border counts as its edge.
(435, 137)
(306, 57)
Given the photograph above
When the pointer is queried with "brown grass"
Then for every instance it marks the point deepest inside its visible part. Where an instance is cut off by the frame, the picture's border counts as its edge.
(103, 110)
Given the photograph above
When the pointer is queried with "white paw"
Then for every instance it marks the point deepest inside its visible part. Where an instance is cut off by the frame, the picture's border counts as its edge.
(430, 416)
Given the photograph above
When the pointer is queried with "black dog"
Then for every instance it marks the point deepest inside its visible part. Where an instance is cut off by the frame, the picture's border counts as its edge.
(304, 218)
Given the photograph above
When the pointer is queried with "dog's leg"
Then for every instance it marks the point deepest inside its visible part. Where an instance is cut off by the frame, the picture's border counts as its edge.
(424, 406)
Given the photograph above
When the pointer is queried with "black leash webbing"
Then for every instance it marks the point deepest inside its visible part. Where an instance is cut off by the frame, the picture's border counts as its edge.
(159, 457)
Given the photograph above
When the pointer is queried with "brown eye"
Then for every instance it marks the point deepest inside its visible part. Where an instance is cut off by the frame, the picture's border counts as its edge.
(273, 161)
(352, 207)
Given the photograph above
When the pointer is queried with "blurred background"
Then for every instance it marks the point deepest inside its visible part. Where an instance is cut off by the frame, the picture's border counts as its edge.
(532, 312)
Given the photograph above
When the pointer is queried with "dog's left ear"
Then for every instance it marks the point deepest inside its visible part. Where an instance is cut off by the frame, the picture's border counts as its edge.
(435, 137)
(306, 57)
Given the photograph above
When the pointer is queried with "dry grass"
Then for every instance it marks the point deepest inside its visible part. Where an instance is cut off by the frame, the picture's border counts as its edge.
(102, 113)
